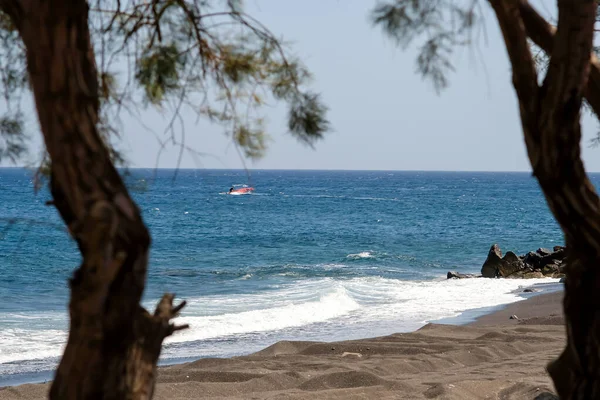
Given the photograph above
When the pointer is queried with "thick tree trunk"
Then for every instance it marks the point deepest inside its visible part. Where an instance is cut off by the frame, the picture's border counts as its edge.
(550, 116)
(113, 343)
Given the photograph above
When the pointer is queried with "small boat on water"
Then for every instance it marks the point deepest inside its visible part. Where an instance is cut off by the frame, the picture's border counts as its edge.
(242, 190)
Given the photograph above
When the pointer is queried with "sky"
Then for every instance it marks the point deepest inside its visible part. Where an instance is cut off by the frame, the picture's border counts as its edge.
(384, 116)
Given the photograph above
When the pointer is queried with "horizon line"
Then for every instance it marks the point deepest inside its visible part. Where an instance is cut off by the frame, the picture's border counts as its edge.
(309, 169)
(298, 169)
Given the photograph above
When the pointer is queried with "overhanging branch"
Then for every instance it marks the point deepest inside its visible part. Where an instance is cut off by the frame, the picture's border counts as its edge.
(542, 33)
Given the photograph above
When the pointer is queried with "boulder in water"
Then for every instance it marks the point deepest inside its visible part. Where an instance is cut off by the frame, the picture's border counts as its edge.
(532, 259)
(534, 274)
(490, 268)
(554, 258)
(543, 251)
(552, 268)
(541, 263)
(510, 264)
(457, 275)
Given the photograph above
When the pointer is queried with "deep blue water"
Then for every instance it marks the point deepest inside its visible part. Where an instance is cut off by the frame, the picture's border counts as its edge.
(310, 255)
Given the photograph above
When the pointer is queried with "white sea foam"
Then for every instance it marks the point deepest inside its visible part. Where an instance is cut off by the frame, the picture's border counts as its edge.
(408, 304)
(328, 306)
(362, 254)
(18, 344)
(320, 305)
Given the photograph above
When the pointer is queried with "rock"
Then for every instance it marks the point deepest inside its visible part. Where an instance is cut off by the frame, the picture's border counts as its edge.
(494, 260)
(552, 258)
(514, 317)
(541, 263)
(511, 257)
(526, 274)
(551, 269)
(510, 264)
(529, 290)
(458, 275)
(532, 259)
(543, 252)
(535, 274)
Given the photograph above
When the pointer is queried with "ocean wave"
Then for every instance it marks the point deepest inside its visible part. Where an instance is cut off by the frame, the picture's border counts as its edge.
(18, 344)
(285, 270)
(328, 306)
(357, 301)
(334, 304)
(329, 196)
(362, 254)
(174, 272)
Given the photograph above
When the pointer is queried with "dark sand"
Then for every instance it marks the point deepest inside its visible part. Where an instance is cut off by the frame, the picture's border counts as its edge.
(492, 358)
(544, 309)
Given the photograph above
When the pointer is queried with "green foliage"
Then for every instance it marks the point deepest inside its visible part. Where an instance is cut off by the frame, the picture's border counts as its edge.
(158, 71)
(251, 140)
(207, 56)
(444, 25)
(219, 62)
(307, 117)
(237, 65)
(13, 83)
(12, 137)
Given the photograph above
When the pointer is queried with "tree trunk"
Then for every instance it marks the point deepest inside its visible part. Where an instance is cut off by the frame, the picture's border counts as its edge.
(550, 116)
(113, 343)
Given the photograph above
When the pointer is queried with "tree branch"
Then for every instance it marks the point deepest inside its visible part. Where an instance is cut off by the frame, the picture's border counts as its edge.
(542, 33)
(569, 67)
(538, 29)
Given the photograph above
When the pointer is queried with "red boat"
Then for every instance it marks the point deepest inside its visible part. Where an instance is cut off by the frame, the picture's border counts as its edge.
(243, 190)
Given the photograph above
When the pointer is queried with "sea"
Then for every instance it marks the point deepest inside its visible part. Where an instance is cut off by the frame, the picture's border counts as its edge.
(309, 255)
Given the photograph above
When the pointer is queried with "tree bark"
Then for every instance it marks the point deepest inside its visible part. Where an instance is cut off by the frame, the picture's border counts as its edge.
(542, 34)
(550, 116)
(113, 343)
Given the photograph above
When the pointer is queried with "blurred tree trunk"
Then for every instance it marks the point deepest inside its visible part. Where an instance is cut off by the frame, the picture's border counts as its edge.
(550, 115)
(113, 343)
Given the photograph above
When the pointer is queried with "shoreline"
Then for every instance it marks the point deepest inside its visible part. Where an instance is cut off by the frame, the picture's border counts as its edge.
(540, 307)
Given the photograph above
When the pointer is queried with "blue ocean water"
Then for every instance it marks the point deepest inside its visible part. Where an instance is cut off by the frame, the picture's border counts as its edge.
(320, 255)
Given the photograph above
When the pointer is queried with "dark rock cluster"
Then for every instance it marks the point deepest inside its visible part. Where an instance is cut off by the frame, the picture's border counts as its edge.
(535, 264)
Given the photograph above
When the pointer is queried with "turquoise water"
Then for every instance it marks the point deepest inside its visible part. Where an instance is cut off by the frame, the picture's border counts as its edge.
(310, 255)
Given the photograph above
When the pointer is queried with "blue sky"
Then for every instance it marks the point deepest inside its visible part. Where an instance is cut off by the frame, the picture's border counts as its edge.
(384, 115)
